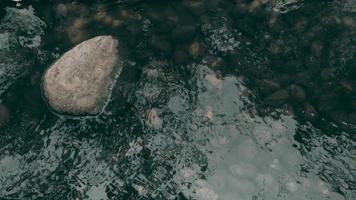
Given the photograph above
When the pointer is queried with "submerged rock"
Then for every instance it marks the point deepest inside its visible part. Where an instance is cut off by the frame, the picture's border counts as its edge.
(20, 40)
(80, 82)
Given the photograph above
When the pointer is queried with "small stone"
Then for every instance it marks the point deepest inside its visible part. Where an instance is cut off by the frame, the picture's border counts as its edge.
(80, 82)
(317, 48)
(61, 10)
(267, 86)
(76, 35)
(297, 93)
(277, 98)
(4, 115)
(215, 63)
(348, 22)
(153, 119)
(116, 23)
(310, 112)
(100, 15)
(80, 23)
(196, 50)
(108, 20)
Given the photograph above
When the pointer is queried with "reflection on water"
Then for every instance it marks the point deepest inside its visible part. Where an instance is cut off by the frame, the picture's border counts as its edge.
(188, 119)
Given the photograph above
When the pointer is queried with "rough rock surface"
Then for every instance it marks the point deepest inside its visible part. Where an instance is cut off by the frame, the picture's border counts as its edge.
(20, 39)
(80, 82)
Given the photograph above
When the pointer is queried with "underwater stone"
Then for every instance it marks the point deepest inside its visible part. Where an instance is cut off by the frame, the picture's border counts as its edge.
(80, 82)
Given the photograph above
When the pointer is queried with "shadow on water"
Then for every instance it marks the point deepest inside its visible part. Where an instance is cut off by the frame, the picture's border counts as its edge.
(217, 100)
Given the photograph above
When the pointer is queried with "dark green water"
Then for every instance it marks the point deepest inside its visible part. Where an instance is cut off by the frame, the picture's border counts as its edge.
(218, 100)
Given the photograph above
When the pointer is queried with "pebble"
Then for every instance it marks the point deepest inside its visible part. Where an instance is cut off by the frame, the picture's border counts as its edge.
(116, 23)
(61, 10)
(80, 23)
(196, 50)
(277, 98)
(267, 86)
(76, 35)
(310, 112)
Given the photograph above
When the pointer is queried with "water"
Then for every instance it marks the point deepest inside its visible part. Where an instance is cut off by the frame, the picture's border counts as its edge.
(218, 100)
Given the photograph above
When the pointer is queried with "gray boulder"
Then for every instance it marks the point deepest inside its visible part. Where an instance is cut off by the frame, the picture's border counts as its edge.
(80, 82)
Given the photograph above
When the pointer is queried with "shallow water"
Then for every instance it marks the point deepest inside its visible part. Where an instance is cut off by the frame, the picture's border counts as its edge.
(218, 100)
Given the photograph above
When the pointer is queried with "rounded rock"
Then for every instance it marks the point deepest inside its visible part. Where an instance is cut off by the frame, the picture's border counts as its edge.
(80, 82)
(277, 98)
(61, 10)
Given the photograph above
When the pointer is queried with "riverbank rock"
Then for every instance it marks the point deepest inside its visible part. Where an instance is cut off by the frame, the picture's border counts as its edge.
(80, 82)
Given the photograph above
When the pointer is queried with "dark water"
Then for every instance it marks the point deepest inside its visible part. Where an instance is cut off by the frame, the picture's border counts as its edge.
(218, 100)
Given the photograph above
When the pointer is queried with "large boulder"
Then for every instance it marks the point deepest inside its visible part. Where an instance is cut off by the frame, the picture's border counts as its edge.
(81, 81)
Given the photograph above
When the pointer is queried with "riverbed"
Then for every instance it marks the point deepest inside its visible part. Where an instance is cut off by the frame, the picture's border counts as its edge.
(217, 100)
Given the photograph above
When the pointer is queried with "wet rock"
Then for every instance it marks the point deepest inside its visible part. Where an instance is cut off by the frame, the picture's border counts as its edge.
(80, 22)
(116, 23)
(20, 36)
(4, 115)
(80, 81)
(348, 22)
(267, 86)
(301, 24)
(310, 112)
(183, 33)
(317, 48)
(61, 10)
(196, 50)
(153, 119)
(297, 93)
(277, 98)
(76, 35)
(100, 14)
(215, 63)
